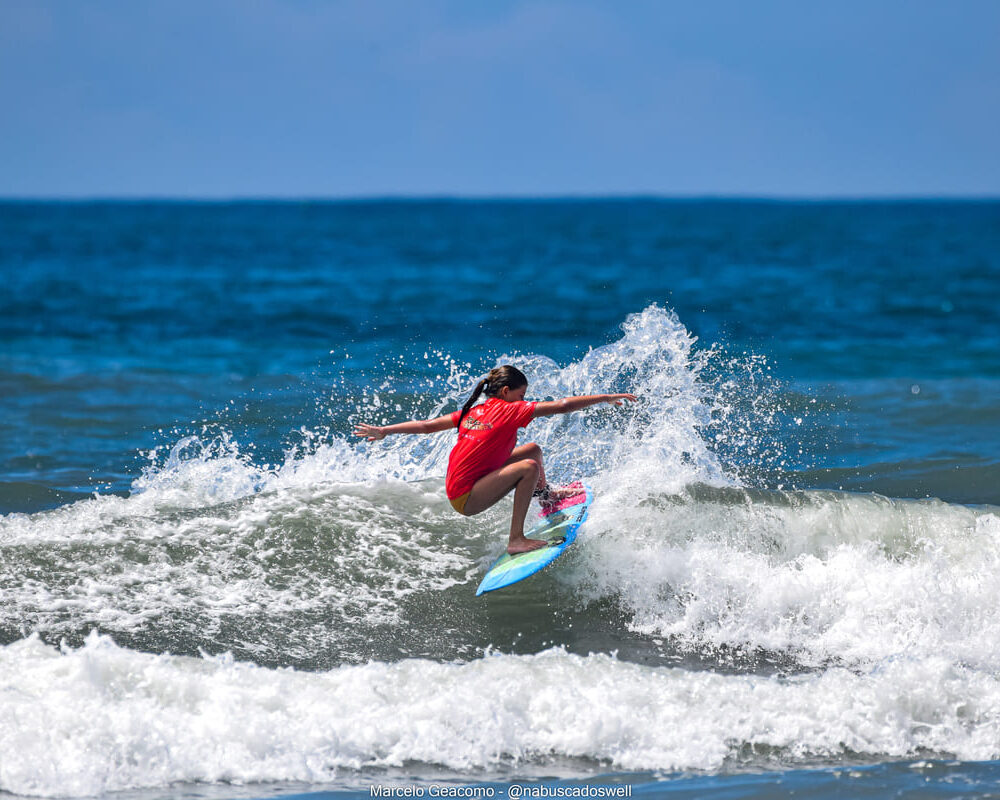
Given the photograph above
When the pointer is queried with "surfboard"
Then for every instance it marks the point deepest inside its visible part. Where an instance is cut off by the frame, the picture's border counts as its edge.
(558, 528)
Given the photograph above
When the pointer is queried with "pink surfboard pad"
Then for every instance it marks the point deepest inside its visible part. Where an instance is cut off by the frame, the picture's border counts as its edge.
(566, 502)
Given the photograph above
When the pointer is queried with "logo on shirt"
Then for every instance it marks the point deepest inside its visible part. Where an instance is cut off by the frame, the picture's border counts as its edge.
(474, 424)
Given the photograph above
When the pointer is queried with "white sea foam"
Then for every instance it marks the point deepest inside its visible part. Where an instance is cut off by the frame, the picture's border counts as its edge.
(106, 563)
(102, 718)
(820, 576)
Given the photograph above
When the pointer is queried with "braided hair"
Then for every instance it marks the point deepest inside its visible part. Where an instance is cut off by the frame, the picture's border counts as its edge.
(494, 381)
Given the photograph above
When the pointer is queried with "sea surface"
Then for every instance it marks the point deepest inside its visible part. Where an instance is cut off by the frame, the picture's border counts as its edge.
(789, 584)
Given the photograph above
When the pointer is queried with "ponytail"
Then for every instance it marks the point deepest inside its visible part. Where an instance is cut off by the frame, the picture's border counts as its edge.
(483, 384)
(492, 384)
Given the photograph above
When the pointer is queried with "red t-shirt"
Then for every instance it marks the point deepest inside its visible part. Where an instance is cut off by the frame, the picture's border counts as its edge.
(485, 440)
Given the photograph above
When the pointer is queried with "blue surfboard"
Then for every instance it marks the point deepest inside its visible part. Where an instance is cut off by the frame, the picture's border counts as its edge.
(559, 529)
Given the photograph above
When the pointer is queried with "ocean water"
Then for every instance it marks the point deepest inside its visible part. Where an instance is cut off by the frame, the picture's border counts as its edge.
(789, 584)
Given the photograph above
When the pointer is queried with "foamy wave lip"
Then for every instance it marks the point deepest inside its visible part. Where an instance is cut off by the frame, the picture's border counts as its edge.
(103, 718)
(654, 446)
(657, 445)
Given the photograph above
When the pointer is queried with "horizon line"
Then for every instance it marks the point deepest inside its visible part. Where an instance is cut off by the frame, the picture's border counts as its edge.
(448, 197)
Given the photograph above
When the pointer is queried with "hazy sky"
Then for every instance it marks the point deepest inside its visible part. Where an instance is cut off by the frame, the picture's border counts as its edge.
(332, 98)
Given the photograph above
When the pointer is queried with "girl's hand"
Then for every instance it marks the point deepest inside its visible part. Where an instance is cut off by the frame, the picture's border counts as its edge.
(371, 432)
(616, 399)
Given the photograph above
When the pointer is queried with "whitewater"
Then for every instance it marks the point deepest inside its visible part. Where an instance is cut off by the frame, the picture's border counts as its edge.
(313, 621)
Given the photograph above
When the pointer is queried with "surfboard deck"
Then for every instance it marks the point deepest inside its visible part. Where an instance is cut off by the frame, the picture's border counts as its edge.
(558, 528)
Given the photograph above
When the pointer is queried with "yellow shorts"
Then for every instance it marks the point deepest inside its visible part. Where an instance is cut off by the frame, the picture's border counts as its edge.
(458, 503)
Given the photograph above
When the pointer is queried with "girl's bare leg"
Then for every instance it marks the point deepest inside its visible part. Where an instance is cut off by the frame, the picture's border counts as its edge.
(522, 477)
(552, 495)
(534, 452)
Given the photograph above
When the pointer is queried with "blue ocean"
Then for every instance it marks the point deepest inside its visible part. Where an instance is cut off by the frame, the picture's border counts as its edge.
(789, 583)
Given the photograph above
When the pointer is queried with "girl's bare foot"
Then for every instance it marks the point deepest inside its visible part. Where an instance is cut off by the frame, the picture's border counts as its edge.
(523, 545)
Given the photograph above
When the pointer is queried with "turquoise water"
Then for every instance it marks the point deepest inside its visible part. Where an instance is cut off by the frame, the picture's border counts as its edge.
(790, 570)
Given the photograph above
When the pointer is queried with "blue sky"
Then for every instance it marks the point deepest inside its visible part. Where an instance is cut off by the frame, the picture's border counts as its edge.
(336, 98)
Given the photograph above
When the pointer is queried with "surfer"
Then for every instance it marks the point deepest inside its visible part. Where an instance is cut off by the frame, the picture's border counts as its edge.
(485, 464)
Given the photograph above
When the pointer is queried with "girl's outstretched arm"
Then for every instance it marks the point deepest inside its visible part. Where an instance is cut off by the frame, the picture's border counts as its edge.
(375, 432)
(568, 404)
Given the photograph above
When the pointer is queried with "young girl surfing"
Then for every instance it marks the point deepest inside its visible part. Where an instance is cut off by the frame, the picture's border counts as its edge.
(485, 464)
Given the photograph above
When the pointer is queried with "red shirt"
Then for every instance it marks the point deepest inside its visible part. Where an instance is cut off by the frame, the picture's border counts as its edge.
(485, 440)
